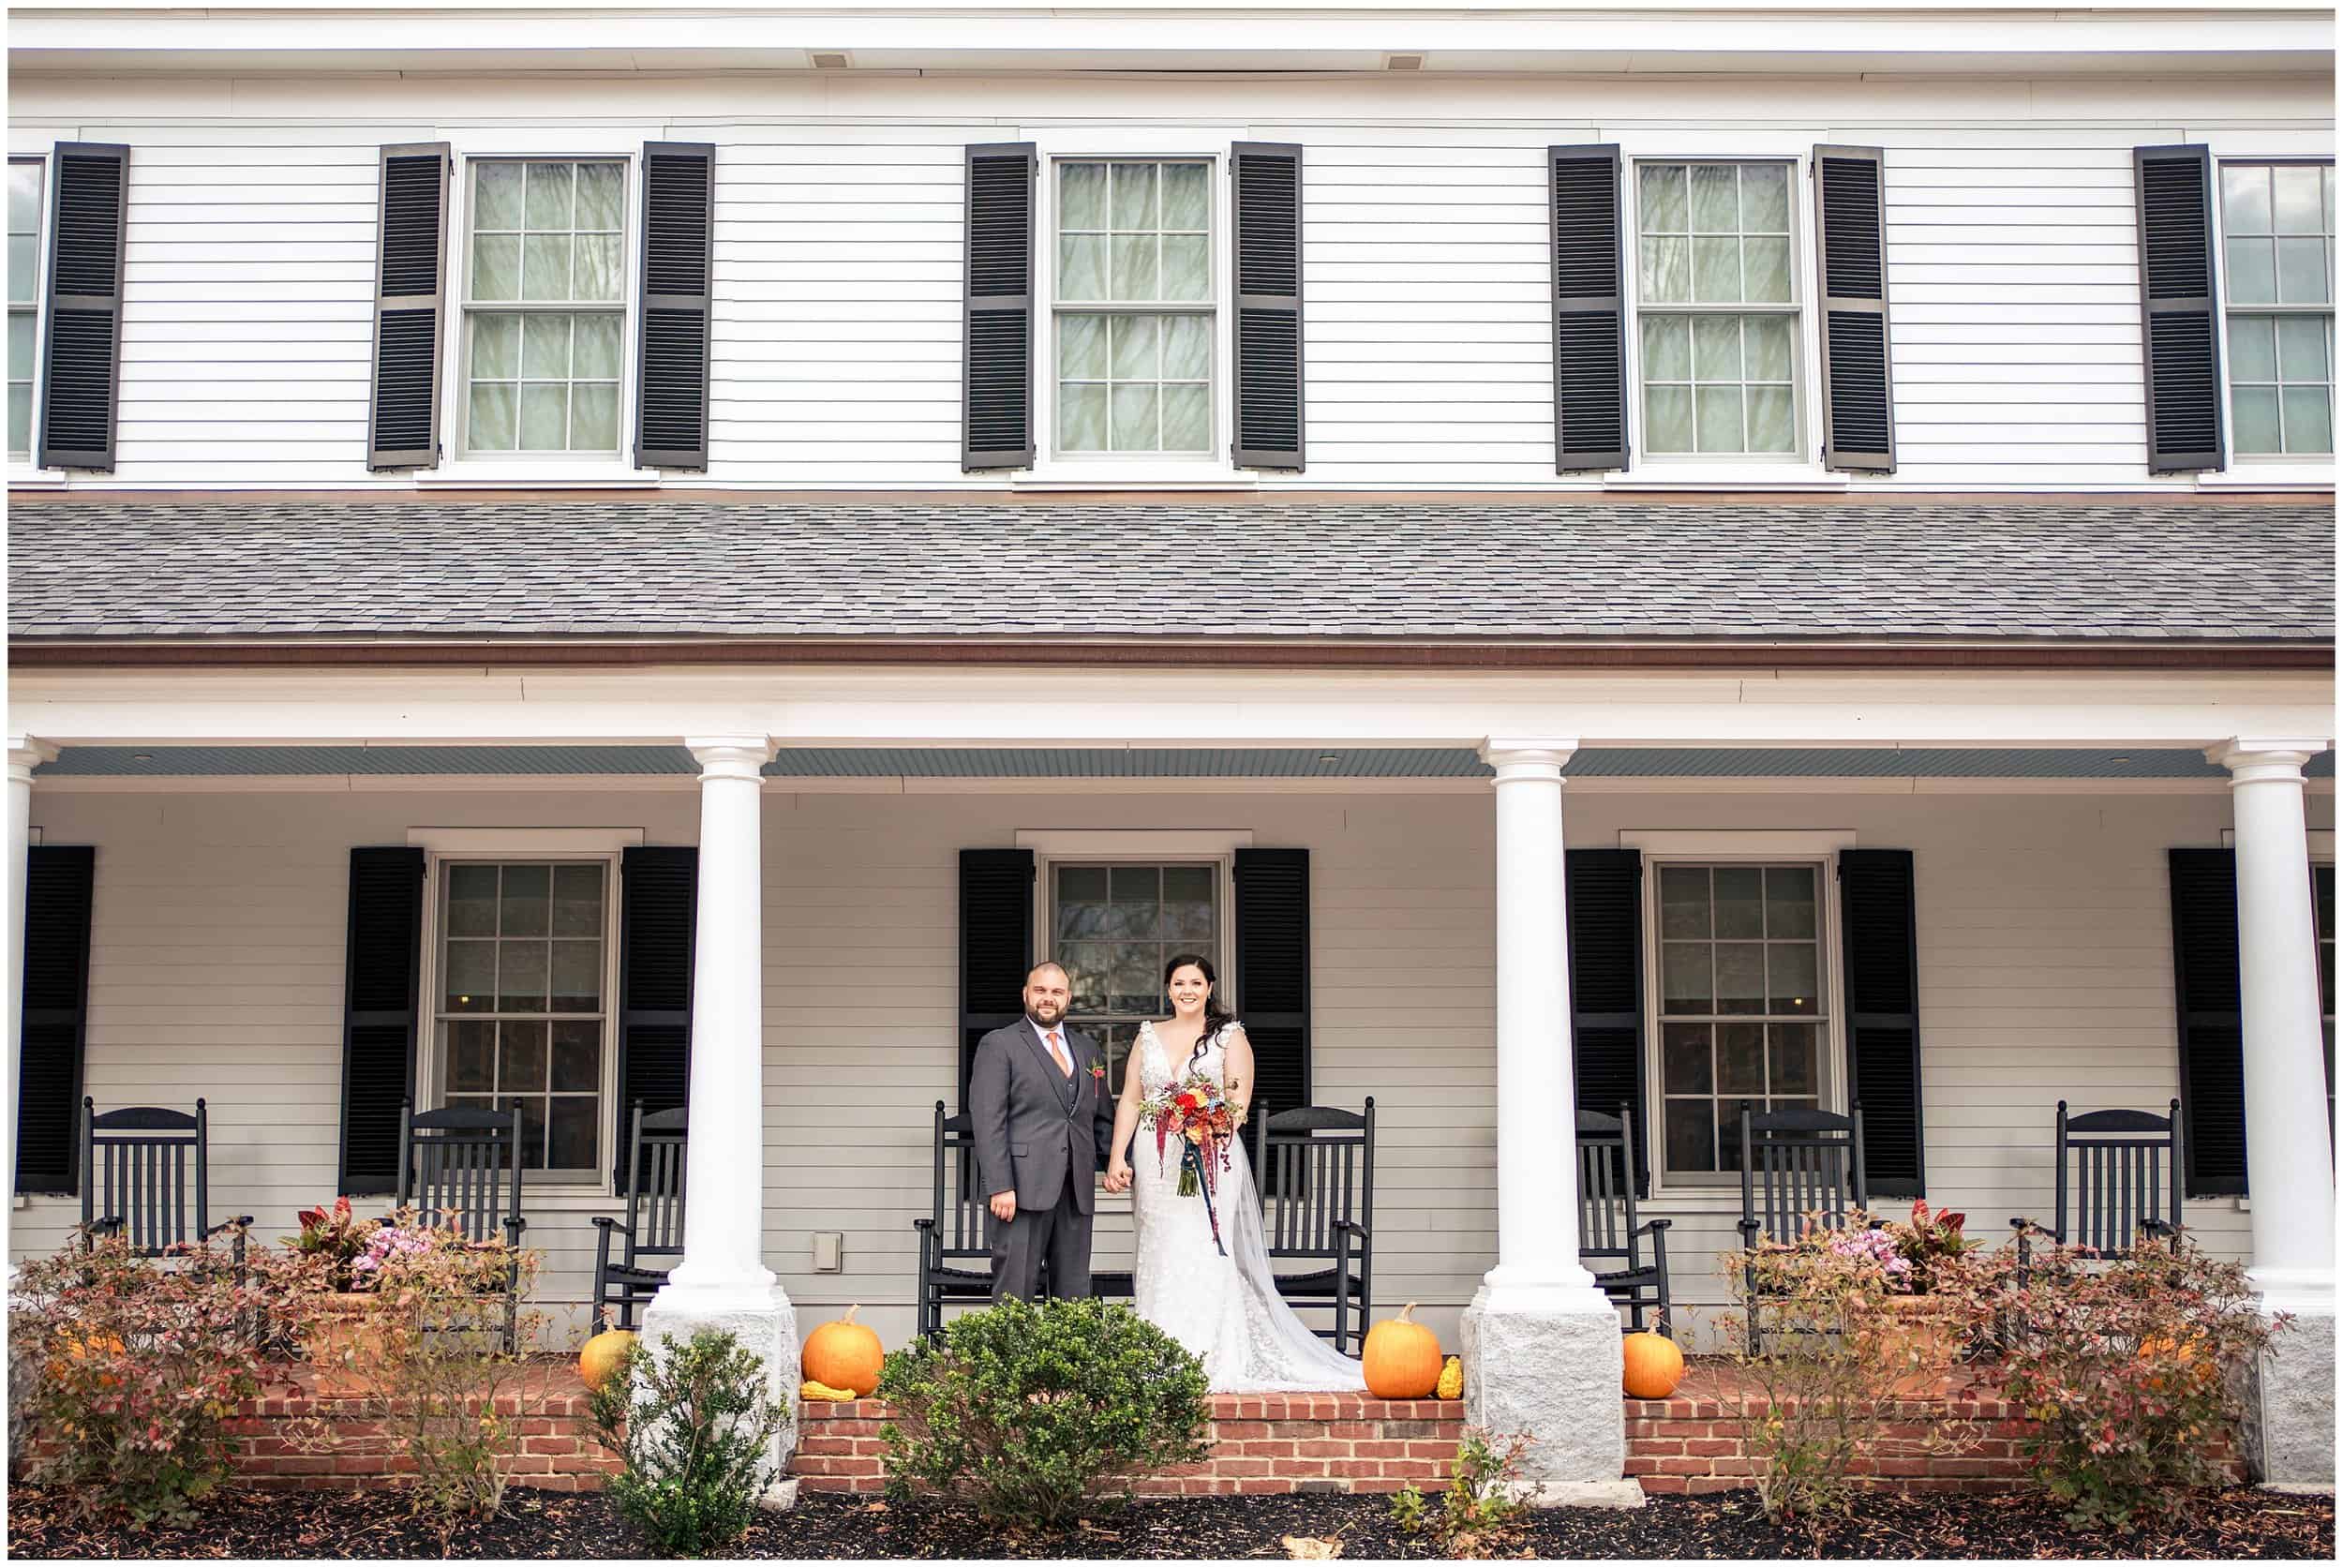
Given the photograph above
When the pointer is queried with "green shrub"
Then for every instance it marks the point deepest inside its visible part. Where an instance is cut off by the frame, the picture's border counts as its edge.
(696, 1431)
(136, 1365)
(1480, 1515)
(2133, 1372)
(1032, 1413)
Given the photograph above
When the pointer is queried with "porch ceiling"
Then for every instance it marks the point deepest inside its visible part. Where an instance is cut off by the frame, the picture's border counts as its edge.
(1102, 762)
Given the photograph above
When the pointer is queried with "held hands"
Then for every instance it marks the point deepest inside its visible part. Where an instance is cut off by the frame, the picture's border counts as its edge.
(1004, 1205)
(1118, 1174)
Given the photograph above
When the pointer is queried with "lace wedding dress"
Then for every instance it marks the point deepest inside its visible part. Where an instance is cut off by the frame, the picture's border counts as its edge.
(1225, 1309)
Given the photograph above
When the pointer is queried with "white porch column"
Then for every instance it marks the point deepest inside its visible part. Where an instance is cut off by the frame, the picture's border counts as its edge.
(2288, 1165)
(722, 1282)
(1540, 1341)
(24, 754)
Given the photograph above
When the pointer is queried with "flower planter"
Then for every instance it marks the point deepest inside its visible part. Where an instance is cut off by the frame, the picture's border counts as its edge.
(344, 1344)
(1918, 1333)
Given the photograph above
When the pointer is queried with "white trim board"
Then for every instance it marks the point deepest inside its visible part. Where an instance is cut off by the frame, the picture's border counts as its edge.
(1149, 842)
(524, 841)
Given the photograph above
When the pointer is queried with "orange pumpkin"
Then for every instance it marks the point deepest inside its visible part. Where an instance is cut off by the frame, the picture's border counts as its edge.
(845, 1354)
(2180, 1354)
(602, 1355)
(84, 1347)
(1402, 1358)
(1650, 1365)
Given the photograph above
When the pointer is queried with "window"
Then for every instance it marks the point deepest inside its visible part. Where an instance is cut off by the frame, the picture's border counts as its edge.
(1115, 927)
(523, 1017)
(1742, 1011)
(1717, 312)
(2278, 228)
(24, 301)
(1134, 234)
(543, 313)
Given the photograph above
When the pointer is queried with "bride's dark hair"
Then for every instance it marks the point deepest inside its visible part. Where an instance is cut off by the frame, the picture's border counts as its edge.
(1216, 1016)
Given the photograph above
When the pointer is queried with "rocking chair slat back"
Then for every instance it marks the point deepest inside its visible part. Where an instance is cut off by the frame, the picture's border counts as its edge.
(2118, 1172)
(1315, 1165)
(654, 1198)
(463, 1168)
(135, 1168)
(1606, 1192)
(1796, 1162)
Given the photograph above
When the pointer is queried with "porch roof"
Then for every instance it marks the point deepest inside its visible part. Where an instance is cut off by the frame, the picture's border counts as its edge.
(542, 570)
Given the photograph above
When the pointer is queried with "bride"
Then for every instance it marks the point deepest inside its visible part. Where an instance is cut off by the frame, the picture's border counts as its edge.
(1223, 1308)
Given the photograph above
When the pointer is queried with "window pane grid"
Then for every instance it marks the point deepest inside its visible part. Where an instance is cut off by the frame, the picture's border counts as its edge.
(1134, 232)
(541, 362)
(25, 175)
(1714, 246)
(1114, 928)
(2277, 229)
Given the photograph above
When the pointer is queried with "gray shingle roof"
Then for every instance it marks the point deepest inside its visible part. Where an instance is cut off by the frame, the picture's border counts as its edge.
(1988, 568)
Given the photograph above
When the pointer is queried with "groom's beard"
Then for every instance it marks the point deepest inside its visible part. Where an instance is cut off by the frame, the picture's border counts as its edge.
(1040, 1022)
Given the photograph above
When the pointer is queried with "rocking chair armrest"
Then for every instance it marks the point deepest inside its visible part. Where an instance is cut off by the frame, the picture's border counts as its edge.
(604, 1223)
(241, 1222)
(2021, 1225)
(1653, 1225)
(1352, 1226)
(2158, 1228)
(107, 1225)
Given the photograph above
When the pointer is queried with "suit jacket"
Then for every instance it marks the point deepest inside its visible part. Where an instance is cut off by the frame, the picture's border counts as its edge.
(1036, 1130)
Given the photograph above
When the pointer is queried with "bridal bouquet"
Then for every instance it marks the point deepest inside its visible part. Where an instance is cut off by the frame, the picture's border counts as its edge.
(1200, 1117)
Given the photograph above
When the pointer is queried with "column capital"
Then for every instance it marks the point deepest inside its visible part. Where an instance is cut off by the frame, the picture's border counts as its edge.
(26, 752)
(732, 756)
(2258, 759)
(1528, 756)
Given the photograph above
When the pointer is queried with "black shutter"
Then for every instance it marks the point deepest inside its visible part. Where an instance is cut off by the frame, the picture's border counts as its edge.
(82, 335)
(1268, 332)
(1859, 421)
(380, 1011)
(57, 884)
(1583, 194)
(1605, 892)
(671, 367)
(996, 945)
(2177, 298)
(2211, 1021)
(996, 368)
(658, 906)
(410, 307)
(1883, 1003)
(1273, 971)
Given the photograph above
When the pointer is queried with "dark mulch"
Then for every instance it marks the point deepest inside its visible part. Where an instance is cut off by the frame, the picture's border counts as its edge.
(246, 1523)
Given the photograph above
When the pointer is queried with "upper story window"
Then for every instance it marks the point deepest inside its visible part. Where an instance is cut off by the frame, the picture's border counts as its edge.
(1115, 927)
(1717, 308)
(2277, 227)
(1743, 1010)
(24, 301)
(543, 312)
(1134, 306)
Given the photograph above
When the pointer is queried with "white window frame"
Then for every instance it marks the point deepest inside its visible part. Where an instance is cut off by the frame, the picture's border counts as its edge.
(476, 847)
(2306, 466)
(464, 466)
(1215, 466)
(1680, 849)
(1801, 466)
(27, 466)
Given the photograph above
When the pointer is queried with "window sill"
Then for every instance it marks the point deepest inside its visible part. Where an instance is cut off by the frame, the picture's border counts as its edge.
(1660, 476)
(1059, 478)
(24, 477)
(2300, 478)
(559, 1199)
(493, 476)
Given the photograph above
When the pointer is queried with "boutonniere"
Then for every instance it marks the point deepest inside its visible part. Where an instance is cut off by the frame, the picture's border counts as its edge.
(1097, 1072)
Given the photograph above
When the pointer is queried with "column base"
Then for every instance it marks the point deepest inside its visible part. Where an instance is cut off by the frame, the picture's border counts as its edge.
(767, 1325)
(2290, 1407)
(1551, 1374)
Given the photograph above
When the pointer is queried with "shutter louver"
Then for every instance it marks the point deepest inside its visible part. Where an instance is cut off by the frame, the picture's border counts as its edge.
(997, 311)
(672, 363)
(1880, 935)
(1588, 220)
(658, 908)
(410, 307)
(1857, 393)
(1268, 355)
(2211, 1021)
(81, 347)
(996, 945)
(1605, 887)
(1273, 971)
(2178, 298)
(379, 1012)
(58, 881)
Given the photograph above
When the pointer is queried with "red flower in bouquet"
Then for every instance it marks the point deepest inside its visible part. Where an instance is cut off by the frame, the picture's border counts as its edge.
(1198, 1115)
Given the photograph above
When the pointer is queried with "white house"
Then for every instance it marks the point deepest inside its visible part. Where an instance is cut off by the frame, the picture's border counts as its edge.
(1670, 555)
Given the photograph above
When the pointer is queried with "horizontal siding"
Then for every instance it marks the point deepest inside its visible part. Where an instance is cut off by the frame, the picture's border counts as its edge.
(216, 958)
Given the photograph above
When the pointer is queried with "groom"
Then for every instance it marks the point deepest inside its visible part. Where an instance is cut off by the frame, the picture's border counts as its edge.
(1041, 1116)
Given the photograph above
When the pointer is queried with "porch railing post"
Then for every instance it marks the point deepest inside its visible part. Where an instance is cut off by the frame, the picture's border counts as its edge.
(2290, 1167)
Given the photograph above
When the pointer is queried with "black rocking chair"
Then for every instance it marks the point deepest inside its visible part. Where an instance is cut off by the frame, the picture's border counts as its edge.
(1797, 1162)
(956, 1238)
(136, 1181)
(1610, 1241)
(1315, 1165)
(2117, 1178)
(653, 1229)
(462, 1168)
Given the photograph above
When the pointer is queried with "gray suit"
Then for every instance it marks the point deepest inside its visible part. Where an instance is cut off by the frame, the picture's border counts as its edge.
(1045, 1136)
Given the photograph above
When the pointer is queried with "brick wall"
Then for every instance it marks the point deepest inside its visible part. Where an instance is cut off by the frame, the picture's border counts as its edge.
(559, 1449)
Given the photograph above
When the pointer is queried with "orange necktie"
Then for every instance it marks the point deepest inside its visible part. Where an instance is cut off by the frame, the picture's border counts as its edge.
(1057, 1054)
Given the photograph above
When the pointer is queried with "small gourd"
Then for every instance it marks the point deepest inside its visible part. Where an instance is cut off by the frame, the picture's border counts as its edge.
(602, 1355)
(845, 1354)
(1402, 1358)
(1650, 1365)
(1451, 1386)
(811, 1390)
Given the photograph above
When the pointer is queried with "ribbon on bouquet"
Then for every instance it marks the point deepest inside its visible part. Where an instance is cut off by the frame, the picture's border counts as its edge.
(1194, 1169)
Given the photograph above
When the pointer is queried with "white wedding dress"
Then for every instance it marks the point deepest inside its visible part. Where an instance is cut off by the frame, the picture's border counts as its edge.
(1224, 1309)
